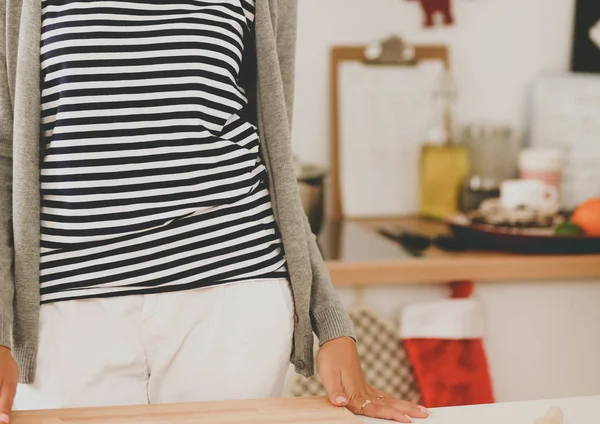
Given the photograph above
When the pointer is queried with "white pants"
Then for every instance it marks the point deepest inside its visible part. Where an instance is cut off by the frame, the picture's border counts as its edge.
(225, 342)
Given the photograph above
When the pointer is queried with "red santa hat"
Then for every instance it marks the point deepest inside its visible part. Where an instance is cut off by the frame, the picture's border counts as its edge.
(443, 340)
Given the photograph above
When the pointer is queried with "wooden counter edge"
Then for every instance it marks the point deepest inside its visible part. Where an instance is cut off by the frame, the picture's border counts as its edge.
(477, 268)
(301, 410)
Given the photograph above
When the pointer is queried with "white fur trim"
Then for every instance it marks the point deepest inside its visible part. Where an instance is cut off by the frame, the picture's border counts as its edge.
(445, 319)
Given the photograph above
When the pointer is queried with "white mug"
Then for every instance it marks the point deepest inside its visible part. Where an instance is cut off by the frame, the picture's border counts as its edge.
(533, 194)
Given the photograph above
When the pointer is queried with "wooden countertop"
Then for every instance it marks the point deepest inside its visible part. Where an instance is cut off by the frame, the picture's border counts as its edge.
(357, 255)
(266, 411)
(583, 410)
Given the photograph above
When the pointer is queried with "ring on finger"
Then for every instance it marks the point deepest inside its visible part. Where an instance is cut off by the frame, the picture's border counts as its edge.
(362, 408)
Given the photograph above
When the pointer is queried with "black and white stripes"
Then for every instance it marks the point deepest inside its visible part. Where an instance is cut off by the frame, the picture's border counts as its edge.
(150, 179)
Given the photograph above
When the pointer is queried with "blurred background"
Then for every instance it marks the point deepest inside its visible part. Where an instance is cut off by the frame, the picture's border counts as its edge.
(451, 149)
(497, 48)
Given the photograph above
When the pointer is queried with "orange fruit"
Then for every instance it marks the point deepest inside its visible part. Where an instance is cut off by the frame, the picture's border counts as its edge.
(587, 217)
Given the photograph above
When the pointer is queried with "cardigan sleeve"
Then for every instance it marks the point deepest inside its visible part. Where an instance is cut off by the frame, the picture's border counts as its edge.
(6, 244)
(328, 317)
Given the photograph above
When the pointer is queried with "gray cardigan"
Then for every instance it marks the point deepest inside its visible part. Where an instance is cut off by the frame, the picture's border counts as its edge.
(317, 307)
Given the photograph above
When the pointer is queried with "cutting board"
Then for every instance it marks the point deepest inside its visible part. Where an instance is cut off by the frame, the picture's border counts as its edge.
(266, 411)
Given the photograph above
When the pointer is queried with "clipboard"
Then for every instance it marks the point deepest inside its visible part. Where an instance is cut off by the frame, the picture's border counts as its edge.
(390, 55)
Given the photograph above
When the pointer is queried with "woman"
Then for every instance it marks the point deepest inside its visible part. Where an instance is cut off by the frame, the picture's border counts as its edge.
(154, 247)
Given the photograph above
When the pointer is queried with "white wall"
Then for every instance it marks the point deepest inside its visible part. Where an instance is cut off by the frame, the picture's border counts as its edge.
(544, 338)
(497, 47)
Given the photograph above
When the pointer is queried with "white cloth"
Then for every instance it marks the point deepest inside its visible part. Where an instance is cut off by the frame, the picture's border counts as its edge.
(224, 342)
(443, 319)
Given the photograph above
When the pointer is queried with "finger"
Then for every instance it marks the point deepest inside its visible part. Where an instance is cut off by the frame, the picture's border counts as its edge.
(408, 408)
(332, 381)
(374, 410)
(7, 397)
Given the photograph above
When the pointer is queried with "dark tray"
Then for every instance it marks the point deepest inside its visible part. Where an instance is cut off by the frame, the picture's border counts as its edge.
(519, 240)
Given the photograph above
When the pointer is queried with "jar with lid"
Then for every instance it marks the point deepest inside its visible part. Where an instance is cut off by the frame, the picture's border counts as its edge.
(493, 155)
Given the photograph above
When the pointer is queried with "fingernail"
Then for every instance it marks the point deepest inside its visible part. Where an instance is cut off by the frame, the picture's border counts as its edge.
(340, 399)
(4, 418)
(410, 420)
(425, 410)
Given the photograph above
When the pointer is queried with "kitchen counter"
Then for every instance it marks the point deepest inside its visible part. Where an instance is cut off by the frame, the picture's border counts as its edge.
(307, 411)
(357, 254)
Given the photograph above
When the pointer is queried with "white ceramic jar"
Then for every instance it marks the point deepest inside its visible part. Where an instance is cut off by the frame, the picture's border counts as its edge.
(542, 164)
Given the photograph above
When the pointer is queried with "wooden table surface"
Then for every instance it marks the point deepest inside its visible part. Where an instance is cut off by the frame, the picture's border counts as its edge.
(357, 254)
(266, 411)
(584, 410)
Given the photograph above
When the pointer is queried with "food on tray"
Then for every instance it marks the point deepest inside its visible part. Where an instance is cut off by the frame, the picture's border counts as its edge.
(587, 217)
(492, 212)
(567, 228)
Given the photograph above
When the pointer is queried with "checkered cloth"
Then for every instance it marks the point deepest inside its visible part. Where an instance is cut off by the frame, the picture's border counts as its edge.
(383, 357)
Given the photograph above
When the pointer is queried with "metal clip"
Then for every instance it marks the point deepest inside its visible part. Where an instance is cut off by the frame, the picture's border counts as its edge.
(391, 51)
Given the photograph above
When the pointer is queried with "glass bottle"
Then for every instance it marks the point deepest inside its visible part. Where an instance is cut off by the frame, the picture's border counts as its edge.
(493, 155)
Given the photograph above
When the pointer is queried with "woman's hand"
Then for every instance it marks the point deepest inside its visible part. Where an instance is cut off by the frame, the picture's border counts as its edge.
(342, 375)
(9, 377)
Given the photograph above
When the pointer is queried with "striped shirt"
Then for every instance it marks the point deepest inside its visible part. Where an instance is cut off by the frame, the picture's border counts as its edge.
(151, 179)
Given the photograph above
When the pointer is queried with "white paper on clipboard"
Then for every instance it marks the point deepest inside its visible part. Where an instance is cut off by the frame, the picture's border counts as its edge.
(565, 114)
(385, 112)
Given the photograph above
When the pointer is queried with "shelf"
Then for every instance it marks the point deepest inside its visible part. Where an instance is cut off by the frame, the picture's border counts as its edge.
(357, 255)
